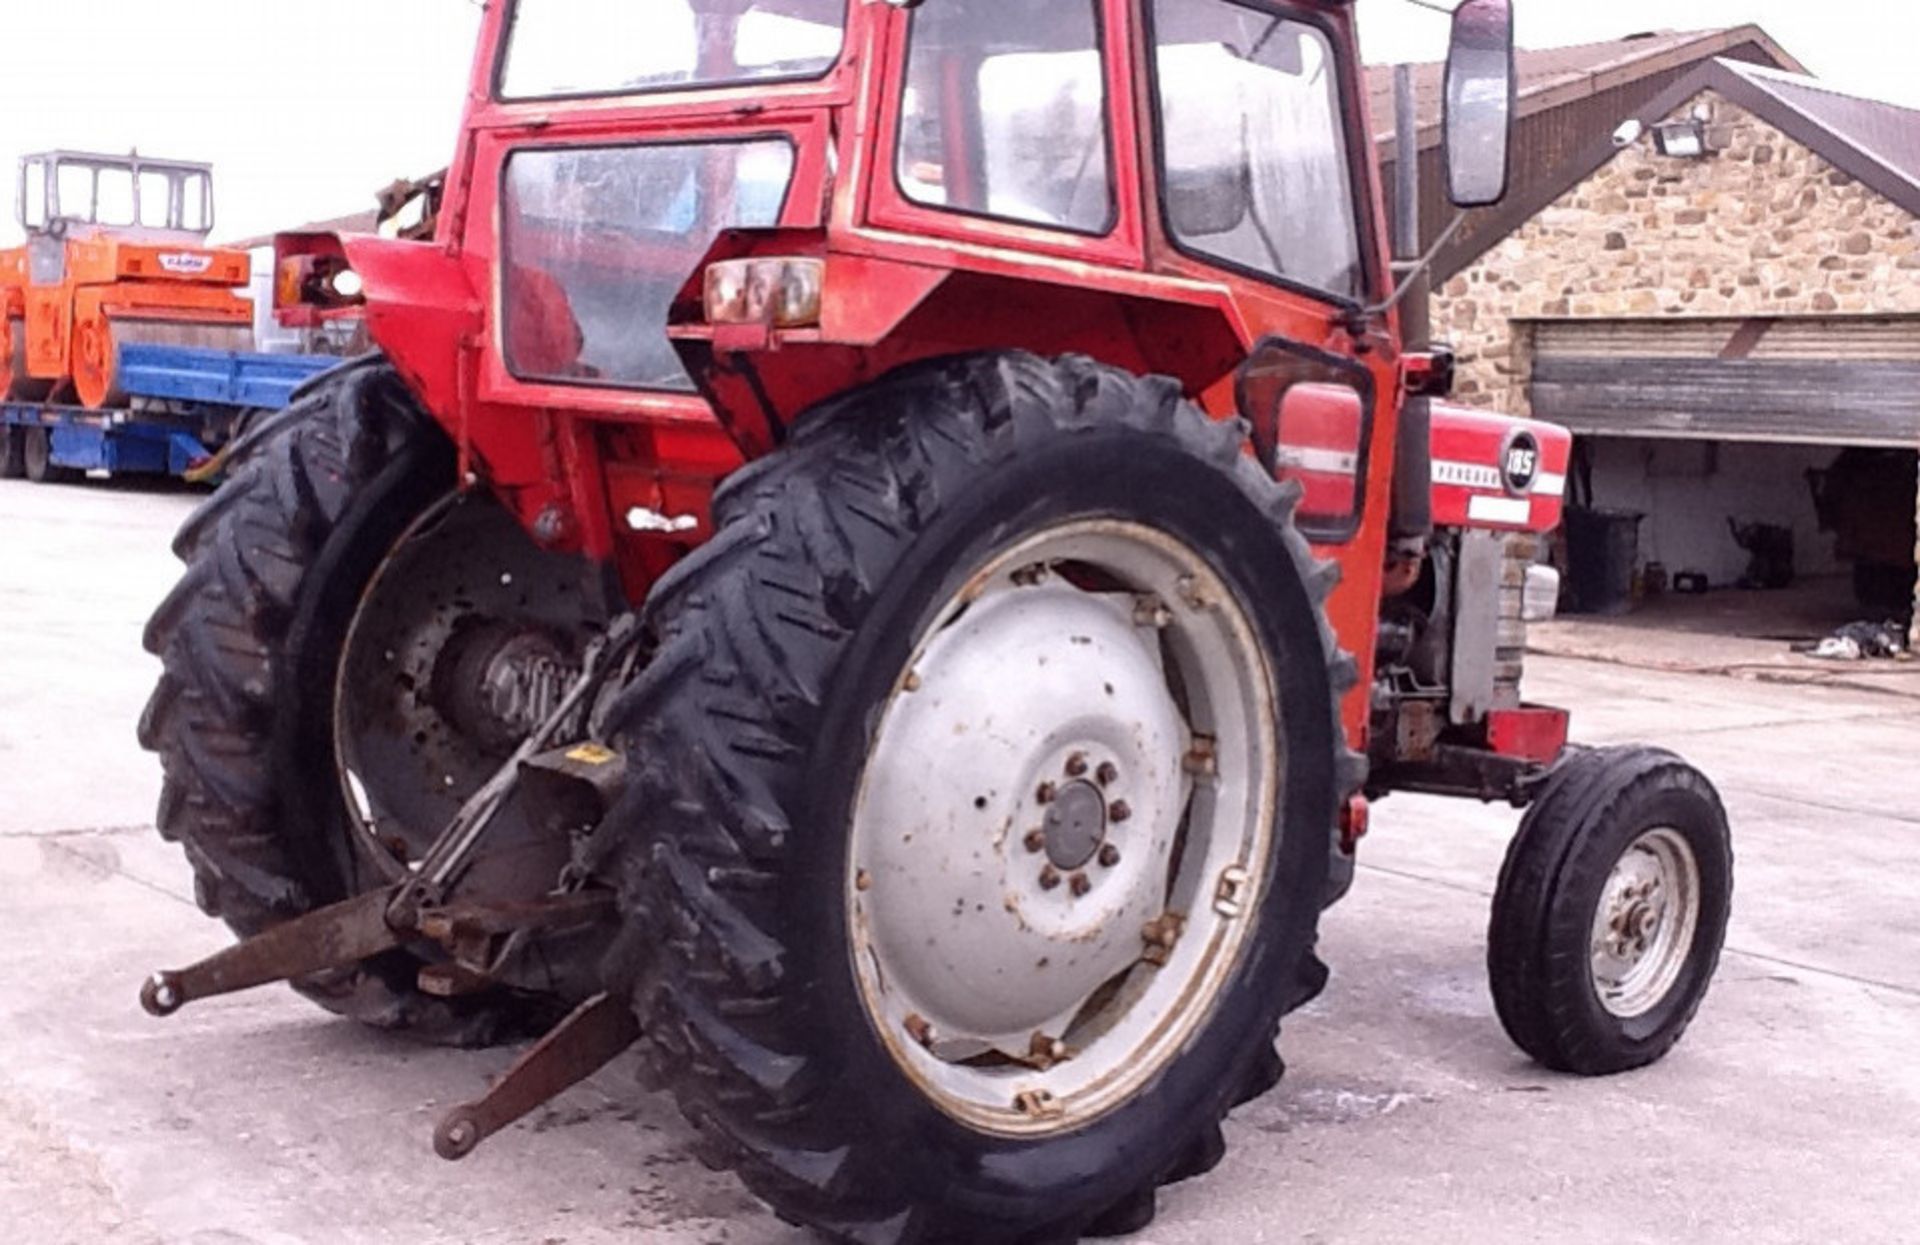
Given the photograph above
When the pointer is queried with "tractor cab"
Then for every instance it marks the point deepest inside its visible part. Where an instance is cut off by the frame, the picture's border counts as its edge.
(64, 191)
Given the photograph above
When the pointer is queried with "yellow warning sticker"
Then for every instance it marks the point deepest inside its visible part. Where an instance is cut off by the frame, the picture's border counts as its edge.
(591, 754)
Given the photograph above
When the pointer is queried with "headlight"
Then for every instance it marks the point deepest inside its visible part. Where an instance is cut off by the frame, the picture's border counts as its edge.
(346, 284)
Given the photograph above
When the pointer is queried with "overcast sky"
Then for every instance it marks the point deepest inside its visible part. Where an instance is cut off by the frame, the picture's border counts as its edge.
(306, 108)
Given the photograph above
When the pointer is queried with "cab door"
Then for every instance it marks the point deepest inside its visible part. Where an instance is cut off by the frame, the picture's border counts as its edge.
(1260, 176)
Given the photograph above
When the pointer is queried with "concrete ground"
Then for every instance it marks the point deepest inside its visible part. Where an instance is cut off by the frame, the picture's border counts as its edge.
(1741, 633)
(1790, 1113)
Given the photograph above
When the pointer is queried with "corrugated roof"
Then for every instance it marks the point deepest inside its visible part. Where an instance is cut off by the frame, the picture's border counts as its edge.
(1550, 77)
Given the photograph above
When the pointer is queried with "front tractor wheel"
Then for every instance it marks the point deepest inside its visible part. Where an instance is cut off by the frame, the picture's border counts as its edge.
(1610, 911)
(351, 652)
(986, 774)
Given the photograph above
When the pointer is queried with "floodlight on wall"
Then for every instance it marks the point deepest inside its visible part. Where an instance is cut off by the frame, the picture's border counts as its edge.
(1682, 140)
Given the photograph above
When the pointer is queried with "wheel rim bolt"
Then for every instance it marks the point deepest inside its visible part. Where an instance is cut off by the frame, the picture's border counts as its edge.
(1036, 840)
(1107, 773)
(1119, 811)
(1081, 884)
(1109, 855)
(1045, 793)
(1046, 1051)
(1049, 878)
(1076, 765)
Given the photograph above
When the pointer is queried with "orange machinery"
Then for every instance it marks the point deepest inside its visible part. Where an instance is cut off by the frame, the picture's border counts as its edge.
(115, 253)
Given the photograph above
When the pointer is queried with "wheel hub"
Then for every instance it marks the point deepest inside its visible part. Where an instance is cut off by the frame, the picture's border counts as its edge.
(497, 681)
(1035, 864)
(1075, 825)
(1024, 935)
(1644, 926)
(465, 637)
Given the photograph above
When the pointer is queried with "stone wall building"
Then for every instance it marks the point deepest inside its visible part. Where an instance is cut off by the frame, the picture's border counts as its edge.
(1761, 226)
(1716, 285)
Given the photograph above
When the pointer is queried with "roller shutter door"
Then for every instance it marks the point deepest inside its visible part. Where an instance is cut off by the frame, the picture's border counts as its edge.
(1818, 380)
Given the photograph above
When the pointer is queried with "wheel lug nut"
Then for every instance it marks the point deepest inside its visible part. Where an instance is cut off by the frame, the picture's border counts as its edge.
(1119, 811)
(1076, 765)
(1035, 840)
(1044, 794)
(1049, 878)
(1081, 884)
(1046, 1051)
(1107, 772)
(1109, 855)
(1150, 611)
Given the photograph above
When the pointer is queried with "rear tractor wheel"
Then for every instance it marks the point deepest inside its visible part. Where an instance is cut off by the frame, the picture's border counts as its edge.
(985, 780)
(353, 649)
(1610, 911)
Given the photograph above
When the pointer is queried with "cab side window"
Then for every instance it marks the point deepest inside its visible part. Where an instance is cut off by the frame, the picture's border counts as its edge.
(1005, 113)
(1254, 157)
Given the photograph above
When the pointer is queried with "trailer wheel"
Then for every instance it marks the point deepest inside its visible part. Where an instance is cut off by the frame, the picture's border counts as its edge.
(1610, 911)
(37, 459)
(307, 751)
(13, 453)
(985, 779)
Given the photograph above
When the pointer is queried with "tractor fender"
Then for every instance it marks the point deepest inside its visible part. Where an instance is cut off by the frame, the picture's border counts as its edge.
(422, 305)
(419, 302)
(881, 309)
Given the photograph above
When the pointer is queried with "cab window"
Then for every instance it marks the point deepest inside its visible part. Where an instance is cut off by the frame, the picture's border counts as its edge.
(1253, 152)
(1005, 113)
(558, 48)
(599, 240)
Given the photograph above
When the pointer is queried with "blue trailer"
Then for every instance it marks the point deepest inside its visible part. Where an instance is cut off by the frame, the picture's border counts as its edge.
(184, 404)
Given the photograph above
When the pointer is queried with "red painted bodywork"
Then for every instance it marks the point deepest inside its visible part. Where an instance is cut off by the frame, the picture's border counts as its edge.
(1469, 448)
(903, 281)
(1317, 443)
(1529, 733)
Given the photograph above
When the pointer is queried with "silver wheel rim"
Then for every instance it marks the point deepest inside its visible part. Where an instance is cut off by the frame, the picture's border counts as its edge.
(404, 759)
(1643, 929)
(1062, 830)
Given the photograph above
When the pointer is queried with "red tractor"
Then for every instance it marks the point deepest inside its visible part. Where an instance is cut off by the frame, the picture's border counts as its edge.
(883, 556)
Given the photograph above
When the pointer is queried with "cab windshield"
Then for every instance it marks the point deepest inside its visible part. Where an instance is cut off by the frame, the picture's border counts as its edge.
(621, 47)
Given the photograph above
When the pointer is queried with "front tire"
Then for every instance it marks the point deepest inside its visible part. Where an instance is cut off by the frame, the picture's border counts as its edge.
(1610, 911)
(881, 754)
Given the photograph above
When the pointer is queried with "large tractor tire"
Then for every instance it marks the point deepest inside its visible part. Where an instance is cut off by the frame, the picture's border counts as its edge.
(331, 582)
(1610, 911)
(985, 777)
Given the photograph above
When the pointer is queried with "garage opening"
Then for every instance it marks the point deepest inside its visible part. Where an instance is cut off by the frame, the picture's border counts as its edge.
(1764, 468)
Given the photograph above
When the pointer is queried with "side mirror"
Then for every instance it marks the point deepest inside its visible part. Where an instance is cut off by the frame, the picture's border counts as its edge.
(1481, 98)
